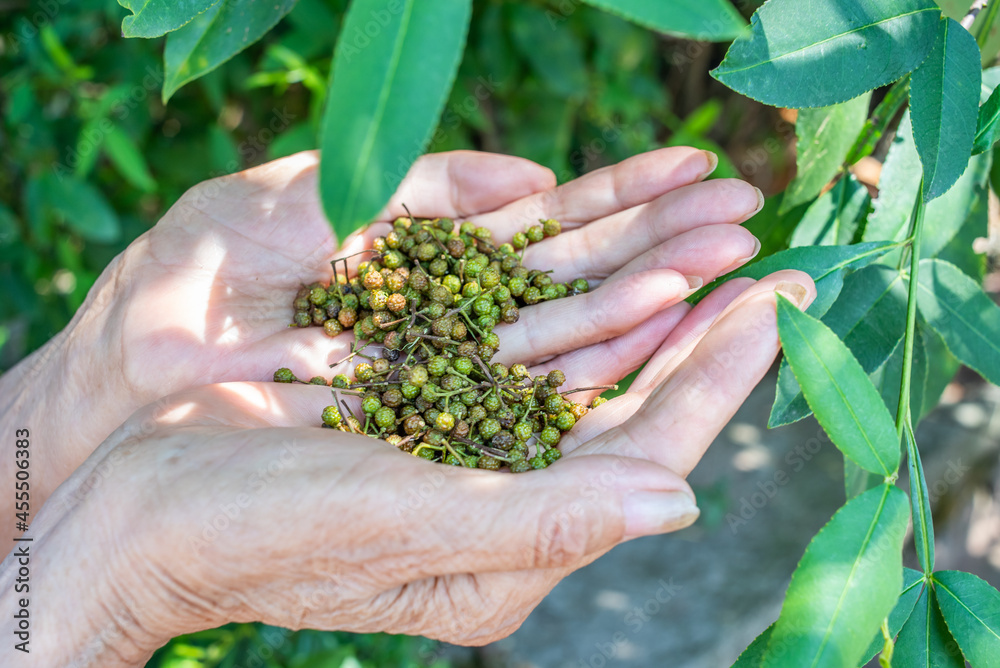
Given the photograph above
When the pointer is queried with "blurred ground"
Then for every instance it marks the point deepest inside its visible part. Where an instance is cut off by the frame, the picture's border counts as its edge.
(696, 598)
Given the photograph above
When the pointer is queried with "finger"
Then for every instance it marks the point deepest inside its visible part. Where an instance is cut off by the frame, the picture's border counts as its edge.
(458, 184)
(600, 248)
(605, 191)
(558, 518)
(684, 335)
(691, 407)
(551, 328)
(677, 346)
(707, 252)
(608, 362)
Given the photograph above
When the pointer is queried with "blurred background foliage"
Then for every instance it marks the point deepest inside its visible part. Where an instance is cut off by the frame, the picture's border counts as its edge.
(91, 158)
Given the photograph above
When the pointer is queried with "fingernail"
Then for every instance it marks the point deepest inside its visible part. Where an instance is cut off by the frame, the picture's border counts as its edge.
(793, 292)
(760, 202)
(649, 513)
(742, 261)
(694, 284)
(713, 162)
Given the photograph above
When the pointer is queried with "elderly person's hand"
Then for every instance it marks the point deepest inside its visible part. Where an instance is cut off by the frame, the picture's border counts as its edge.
(217, 504)
(205, 296)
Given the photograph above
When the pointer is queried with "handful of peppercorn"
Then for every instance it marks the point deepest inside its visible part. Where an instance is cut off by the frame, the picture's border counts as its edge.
(430, 296)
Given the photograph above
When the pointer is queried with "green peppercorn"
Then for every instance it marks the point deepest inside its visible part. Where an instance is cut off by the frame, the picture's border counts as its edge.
(520, 466)
(284, 375)
(436, 366)
(332, 417)
(550, 436)
(370, 405)
(565, 421)
(385, 417)
(488, 428)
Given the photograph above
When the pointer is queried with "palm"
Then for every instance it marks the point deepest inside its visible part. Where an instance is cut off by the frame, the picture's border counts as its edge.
(211, 284)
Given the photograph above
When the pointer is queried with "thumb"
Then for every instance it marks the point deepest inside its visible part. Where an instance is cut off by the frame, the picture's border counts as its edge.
(559, 518)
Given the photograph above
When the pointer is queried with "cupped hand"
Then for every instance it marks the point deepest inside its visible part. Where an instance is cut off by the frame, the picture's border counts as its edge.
(205, 296)
(259, 518)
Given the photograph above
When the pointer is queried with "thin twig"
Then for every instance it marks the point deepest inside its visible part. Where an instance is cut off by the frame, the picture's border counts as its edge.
(588, 389)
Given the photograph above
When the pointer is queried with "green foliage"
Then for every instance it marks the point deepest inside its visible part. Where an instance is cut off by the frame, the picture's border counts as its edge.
(971, 609)
(752, 656)
(944, 101)
(214, 37)
(847, 582)
(837, 389)
(865, 317)
(924, 641)
(238, 645)
(963, 315)
(923, 525)
(988, 124)
(833, 218)
(153, 18)
(880, 357)
(832, 53)
(368, 145)
(826, 264)
(713, 20)
(826, 135)
(913, 582)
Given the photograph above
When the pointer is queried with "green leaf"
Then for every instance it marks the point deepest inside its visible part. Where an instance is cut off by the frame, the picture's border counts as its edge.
(215, 36)
(826, 264)
(923, 521)
(384, 102)
(556, 54)
(924, 641)
(947, 215)
(971, 609)
(880, 120)
(826, 135)
(963, 315)
(837, 389)
(83, 208)
(912, 587)
(869, 316)
(847, 582)
(834, 217)
(752, 656)
(988, 125)
(898, 188)
(944, 101)
(835, 51)
(706, 20)
(886, 376)
(152, 18)
(128, 159)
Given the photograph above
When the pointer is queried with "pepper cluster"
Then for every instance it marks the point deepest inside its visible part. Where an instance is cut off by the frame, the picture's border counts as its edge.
(431, 297)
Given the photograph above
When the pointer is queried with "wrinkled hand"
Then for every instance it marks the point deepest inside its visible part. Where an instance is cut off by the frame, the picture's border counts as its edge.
(205, 296)
(216, 505)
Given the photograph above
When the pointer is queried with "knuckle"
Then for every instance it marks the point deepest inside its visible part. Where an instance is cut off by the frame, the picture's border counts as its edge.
(559, 541)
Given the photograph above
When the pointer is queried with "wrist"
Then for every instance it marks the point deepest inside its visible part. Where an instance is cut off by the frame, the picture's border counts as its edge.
(61, 397)
(69, 598)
